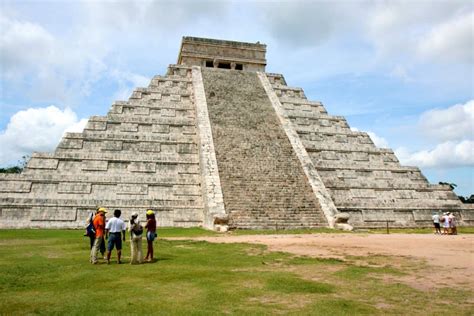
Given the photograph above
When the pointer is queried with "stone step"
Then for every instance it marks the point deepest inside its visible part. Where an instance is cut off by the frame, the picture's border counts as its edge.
(258, 168)
(100, 123)
(126, 146)
(318, 129)
(159, 94)
(357, 159)
(174, 134)
(27, 203)
(175, 177)
(314, 117)
(160, 158)
(359, 203)
(365, 168)
(183, 105)
(345, 139)
(389, 196)
(152, 112)
(313, 146)
(381, 184)
(276, 79)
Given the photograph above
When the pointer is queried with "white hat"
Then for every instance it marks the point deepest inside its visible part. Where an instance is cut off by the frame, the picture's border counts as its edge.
(134, 214)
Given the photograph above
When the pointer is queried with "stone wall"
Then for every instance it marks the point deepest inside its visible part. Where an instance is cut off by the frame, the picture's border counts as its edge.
(197, 51)
(365, 181)
(262, 180)
(142, 154)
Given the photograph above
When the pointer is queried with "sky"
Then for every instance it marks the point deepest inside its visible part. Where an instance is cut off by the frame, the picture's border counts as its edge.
(400, 70)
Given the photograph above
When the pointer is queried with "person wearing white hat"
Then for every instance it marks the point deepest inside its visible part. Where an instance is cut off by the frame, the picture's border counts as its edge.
(136, 232)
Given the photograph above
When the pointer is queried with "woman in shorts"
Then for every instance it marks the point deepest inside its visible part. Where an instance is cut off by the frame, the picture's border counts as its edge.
(150, 234)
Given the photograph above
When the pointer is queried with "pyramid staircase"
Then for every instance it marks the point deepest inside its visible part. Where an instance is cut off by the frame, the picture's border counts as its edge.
(263, 183)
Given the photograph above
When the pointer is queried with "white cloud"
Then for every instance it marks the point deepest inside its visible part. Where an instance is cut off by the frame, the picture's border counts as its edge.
(309, 23)
(409, 30)
(23, 45)
(453, 123)
(44, 66)
(447, 154)
(453, 127)
(36, 129)
(450, 41)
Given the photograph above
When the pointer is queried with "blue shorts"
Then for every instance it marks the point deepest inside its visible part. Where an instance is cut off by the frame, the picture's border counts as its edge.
(150, 236)
(114, 240)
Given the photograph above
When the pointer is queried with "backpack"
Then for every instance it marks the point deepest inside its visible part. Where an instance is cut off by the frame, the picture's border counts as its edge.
(90, 230)
(137, 229)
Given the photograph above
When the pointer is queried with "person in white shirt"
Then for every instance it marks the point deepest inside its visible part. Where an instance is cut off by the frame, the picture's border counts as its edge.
(115, 230)
(436, 224)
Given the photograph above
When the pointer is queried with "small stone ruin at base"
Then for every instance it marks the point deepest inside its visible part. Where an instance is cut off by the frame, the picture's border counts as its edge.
(218, 143)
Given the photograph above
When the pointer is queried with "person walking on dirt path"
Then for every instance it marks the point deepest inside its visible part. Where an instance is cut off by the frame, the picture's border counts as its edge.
(436, 224)
(150, 234)
(136, 232)
(99, 241)
(115, 230)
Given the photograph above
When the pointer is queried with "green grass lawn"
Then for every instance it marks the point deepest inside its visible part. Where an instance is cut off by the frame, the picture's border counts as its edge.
(48, 272)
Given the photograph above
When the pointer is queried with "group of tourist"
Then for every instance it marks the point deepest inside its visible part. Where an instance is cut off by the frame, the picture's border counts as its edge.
(99, 229)
(448, 221)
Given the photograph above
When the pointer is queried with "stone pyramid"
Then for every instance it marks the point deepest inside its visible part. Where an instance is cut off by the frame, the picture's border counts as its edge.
(219, 143)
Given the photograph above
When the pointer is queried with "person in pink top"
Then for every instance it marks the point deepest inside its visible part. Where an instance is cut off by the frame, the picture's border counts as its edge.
(150, 234)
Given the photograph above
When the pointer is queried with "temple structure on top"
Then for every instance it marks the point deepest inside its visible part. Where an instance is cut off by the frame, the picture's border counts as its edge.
(219, 143)
(212, 53)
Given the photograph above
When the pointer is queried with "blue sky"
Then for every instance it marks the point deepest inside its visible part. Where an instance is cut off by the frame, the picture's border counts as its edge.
(400, 70)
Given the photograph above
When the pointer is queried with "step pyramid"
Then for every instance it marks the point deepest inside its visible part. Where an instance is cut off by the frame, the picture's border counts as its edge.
(219, 141)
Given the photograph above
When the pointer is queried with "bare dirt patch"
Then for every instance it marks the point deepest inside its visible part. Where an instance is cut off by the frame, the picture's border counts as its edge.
(449, 259)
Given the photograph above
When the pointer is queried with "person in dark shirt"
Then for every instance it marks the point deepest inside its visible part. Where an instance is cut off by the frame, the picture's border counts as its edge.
(150, 234)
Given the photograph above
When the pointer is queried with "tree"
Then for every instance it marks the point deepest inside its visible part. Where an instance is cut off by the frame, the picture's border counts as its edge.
(451, 185)
(18, 168)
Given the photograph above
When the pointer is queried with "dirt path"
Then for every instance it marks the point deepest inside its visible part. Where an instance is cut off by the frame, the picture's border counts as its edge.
(444, 253)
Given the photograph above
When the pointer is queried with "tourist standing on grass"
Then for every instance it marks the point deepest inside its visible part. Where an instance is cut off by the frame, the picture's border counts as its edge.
(136, 232)
(90, 231)
(115, 229)
(437, 227)
(150, 234)
(99, 227)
